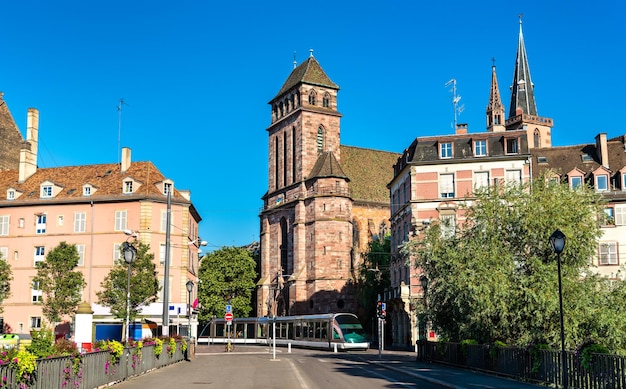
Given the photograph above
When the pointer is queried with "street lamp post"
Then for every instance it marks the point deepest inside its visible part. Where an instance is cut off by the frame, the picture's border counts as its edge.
(422, 323)
(189, 286)
(557, 241)
(129, 252)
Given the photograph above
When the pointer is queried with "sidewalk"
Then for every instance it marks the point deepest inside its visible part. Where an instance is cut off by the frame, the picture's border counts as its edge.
(405, 362)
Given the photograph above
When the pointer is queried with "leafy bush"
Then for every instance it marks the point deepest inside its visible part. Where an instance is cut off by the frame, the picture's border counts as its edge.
(493, 351)
(464, 344)
(42, 343)
(586, 353)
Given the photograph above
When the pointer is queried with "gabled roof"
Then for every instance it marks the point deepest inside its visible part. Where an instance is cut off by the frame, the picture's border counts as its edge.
(107, 178)
(369, 171)
(11, 138)
(308, 72)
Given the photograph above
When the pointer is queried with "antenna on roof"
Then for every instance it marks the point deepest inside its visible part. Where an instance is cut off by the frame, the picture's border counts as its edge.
(455, 101)
(294, 60)
(119, 130)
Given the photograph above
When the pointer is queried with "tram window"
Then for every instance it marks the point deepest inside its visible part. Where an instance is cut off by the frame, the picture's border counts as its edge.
(283, 330)
(311, 328)
(290, 330)
(262, 330)
(324, 330)
(249, 330)
(298, 329)
(336, 334)
(239, 330)
(220, 331)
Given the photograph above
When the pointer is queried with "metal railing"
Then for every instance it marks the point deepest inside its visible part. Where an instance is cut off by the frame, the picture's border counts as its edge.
(95, 369)
(541, 366)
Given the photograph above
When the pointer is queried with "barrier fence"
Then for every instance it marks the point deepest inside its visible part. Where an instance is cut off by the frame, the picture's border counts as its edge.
(95, 369)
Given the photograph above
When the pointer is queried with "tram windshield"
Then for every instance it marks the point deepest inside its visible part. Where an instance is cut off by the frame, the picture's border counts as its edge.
(351, 329)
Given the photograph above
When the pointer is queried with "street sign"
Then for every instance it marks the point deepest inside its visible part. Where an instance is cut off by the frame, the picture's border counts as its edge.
(229, 308)
(383, 306)
(228, 316)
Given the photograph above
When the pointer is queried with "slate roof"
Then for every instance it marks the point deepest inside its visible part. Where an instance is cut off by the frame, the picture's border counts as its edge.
(563, 159)
(10, 138)
(106, 179)
(308, 72)
(369, 171)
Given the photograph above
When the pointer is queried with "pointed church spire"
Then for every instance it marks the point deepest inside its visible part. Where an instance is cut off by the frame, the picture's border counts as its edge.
(522, 95)
(495, 109)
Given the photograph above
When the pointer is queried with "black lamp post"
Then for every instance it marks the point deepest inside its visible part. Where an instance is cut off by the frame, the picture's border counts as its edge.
(422, 323)
(130, 252)
(557, 241)
(189, 286)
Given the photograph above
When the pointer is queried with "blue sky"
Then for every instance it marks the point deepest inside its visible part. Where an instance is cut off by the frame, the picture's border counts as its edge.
(197, 75)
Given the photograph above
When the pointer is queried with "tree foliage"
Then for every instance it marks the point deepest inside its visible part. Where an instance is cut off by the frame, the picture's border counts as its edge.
(373, 278)
(60, 283)
(496, 278)
(226, 274)
(144, 285)
(6, 276)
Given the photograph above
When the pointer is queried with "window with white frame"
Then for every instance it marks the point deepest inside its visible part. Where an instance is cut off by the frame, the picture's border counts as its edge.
(80, 222)
(623, 181)
(610, 216)
(40, 254)
(40, 227)
(446, 185)
(620, 215)
(60, 220)
(163, 221)
(162, 254)
(46, 191)
(20, 223)
(81, 254)
(575, 182)
(86, 191)
(117, 253)
(480, 148)
(35, 322)
(11, 195)
(4, 253)
(513, 176)
(602, 182)
(445, 150)
(608, 253)
(448, 225)
(4, 225)
(512, 146)
(120, 220)
(481, 180)
(36, 295)
(128, 186)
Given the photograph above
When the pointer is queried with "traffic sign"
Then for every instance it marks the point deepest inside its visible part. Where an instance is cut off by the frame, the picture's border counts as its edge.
(228, 316)
(229, 308)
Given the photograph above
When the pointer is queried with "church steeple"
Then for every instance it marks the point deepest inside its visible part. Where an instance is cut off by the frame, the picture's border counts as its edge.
(522, 95)
(495, 109)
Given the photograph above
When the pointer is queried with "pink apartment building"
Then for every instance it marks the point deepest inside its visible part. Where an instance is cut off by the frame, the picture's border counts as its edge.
(90, 206)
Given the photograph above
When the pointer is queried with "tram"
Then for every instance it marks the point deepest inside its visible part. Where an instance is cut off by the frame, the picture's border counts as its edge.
(342, 331)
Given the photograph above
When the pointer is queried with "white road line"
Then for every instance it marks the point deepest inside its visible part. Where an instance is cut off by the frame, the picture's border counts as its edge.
(296, 372)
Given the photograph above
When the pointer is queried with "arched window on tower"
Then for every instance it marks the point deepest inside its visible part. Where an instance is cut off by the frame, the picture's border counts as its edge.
(284, 245)
(320, 139)
(537, 138)
(326, 100)
(312, 97)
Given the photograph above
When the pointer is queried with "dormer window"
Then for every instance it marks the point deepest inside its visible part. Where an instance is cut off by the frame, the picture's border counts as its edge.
(11, 195)
(512, 146)
(575, 182)
(46, 191)
(480, 148)
(86, 191)
(445, 150)
(602, 182)
(128, 187)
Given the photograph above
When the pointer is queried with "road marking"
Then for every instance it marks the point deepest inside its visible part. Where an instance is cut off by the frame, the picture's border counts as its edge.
(296, 372)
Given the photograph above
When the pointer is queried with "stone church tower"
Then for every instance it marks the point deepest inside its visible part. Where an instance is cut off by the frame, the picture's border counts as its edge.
(306, 226)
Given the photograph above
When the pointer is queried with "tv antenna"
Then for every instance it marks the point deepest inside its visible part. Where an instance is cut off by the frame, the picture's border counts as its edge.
(119, 130)
(455, 101)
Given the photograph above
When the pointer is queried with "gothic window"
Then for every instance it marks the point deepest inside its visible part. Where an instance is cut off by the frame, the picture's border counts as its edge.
(312, 97)
(537, 138)
(320, 139)
(326, 100)
(293, 154)
(284, 244)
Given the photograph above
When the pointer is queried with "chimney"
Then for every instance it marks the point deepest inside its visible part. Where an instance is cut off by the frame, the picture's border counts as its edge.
(461, 129)
(125, 159)
(28, 151)
(602, 150)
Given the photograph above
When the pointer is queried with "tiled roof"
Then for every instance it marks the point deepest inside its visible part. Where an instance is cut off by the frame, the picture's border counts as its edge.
(106, 179)
(369, 171)
(566, 158)
(11, 139)
(309, 72)
(327, 166)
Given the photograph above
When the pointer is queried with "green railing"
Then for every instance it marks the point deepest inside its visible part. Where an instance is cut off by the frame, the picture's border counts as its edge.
(94, 370)
(543, 366)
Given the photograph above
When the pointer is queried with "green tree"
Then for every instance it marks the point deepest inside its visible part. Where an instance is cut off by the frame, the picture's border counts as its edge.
(6, 276)
(496, 277)
(226, 274)
(144, 285)
(60, 283)
(373, 278)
